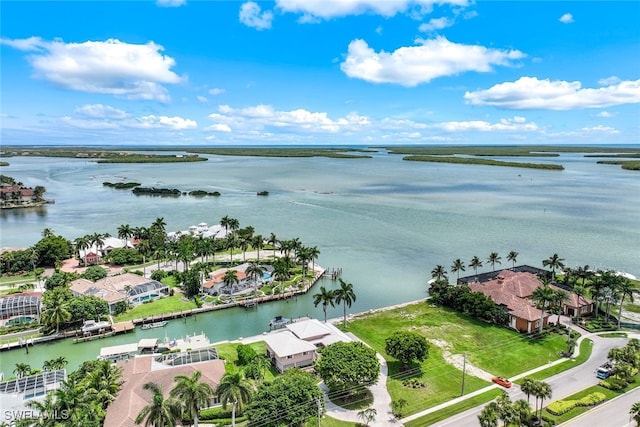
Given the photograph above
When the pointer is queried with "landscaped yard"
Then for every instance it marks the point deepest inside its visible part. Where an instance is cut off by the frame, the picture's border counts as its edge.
(438, 381)
(161, 306)
(227, 351)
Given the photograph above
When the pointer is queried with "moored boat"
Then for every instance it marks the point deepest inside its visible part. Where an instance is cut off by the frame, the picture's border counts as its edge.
(154, 325)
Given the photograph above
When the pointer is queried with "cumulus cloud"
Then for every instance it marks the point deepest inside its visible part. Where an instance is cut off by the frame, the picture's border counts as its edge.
(314, 10)
(216, 91)
(99, 111)
(432, 58)
(202, 99)
(518, 124)
(435, 24)
(133, 71)
(171, 3)
(252, 15)
(265, 118)
(533, 93)
(155, 122)
(567, 18)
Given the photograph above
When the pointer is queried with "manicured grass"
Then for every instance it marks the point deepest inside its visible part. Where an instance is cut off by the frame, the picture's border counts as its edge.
(483, 344)
(162, 306)
(586, 346)
(170, 281)
(452, 410)
(327, 421)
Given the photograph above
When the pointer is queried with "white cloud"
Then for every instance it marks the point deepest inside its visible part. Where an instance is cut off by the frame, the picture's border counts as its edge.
(154, 122)
(532, 93)
(171, 3)
(133, 71)
(609, 81)
(567, 18)
(219, 127)
(600, 129)
(202, 99)
(251, 15)
(216, 91)
(436, 24)
(606, 114)
(314, 10)
(432, 58)
(264, 117)
(515, 124)
(99, 111)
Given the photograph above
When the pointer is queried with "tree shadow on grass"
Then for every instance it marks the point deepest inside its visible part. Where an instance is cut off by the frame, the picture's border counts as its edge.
(353, 399)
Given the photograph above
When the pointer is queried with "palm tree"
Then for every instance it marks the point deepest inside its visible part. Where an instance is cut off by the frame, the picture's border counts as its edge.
(326, 298)
(230, 278)
(254, 271)
(528, 387)
(584, 273)
(304, 257)
(257, 243)
(159, 224)
(104, 382)
(98, 240)
(346, 296)
(505, 409)
(494, 259)
(73, 400)
(489, 416)
(234, 389)
(193, 393)
(367, 415)
(439, 272)
(273, 240)
(522, 412)
(22, 370)
(635, 412)
(554, 262)
(47, 365)
(513, 257)
(160, 412)
(557, 299)
(234, 224)
(626, 289)
(457, 266)
(125, 232)
(81, 243)
(281, 272)
(313, 253)
(46, 409)
(224, 221)
(56, 314)
(231, 243)
(475, 263)
(579, 290)
(543, 391)
(541, 297)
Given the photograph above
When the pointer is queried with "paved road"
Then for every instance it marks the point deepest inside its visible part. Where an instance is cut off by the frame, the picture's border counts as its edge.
(614, 413)
(563, 384)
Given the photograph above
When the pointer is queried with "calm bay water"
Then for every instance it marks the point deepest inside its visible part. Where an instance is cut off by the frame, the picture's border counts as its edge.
(385, 222)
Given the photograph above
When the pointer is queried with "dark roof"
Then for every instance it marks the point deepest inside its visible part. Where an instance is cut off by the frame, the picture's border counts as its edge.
(491, 275)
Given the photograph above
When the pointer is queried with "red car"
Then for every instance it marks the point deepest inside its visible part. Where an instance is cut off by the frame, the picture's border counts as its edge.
(501, 381)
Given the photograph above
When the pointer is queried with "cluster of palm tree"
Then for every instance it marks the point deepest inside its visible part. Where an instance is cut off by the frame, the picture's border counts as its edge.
(344, 295)
(88, 241)
(187, 396)
(516, 413)
(547, 298)
(81, 400)
(458, 265)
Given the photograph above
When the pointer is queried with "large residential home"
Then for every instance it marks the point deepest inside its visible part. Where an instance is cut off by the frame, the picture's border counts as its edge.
(20, 308)
(122, 287)
(94, 254)
(577, 305)
(16, 393)
(297, 345)
(140, 370)
(214, 285)
(17, 194)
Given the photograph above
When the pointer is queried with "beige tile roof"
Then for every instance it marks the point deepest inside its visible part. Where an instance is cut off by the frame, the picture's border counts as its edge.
(140, 370)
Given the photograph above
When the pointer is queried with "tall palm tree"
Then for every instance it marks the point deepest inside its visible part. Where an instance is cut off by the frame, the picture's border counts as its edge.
(234, 224)
(513, 257)
(104, 383)
(159, 224)
(626, 289)
(234, 389)
(541, 297)
(489, 416)
(125, 232)
(543, 391)
(258, 244)
(522, 412)
(326, 298)
(73, 400)
(494, 259)
(579, 290)
(528, 387)
(46, 409)
(81, 244)
(97, 239)
(160, 412)
(457, 267)
(254, 271)
(367, 415)
(224, 221)
(558, 298)
(439, 272)
(346, 296)
(56, 313)
(273, 240)
(229, 279)
(475, 263)
(231, 243)
(281, 272)
(554, 262)
(304, 258)
(313, 253)
(584, 273)
(193, 393)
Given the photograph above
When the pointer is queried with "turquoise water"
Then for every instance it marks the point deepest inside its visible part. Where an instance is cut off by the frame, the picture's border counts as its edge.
(385, 222)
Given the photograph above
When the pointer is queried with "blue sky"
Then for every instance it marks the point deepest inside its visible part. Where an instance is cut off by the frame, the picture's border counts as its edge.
(335, 72)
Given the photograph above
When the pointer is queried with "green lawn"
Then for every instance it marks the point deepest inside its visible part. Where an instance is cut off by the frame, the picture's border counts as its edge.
(585, 352)
(440, 381)
(162, 306)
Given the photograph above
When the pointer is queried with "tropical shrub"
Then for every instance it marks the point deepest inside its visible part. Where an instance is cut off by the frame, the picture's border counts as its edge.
(563, 406)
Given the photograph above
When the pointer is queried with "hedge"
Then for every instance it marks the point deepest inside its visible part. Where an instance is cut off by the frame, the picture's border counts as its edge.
(563, 406)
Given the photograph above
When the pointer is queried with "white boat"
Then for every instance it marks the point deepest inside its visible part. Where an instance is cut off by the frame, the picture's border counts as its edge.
(278, 322)
(154, 325)
(90, 326)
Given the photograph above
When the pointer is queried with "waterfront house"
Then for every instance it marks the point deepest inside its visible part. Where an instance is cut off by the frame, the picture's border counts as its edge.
(94, 254)
(24, 307)
(296, 347)
(577, 305)
(84, 287)
(122, 287)
(140, 370)
(16, 194)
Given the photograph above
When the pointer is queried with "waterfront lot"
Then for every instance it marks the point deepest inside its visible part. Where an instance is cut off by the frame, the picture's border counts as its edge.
(498, 351)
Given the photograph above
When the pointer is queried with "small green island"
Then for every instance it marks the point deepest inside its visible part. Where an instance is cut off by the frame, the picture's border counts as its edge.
(171, 192)
(121, 185)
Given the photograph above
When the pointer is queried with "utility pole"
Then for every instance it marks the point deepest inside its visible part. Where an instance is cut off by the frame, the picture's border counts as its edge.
(464, 369)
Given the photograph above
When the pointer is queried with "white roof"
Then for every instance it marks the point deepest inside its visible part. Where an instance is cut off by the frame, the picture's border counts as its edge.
(147, 342)
(308, 329)
(285, 344)
(118, 349)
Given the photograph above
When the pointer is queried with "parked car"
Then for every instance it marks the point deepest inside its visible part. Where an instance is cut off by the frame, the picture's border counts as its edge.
(605, 370)
(502, 381)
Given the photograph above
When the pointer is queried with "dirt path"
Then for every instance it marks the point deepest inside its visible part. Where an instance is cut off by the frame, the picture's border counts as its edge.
(458, 361)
